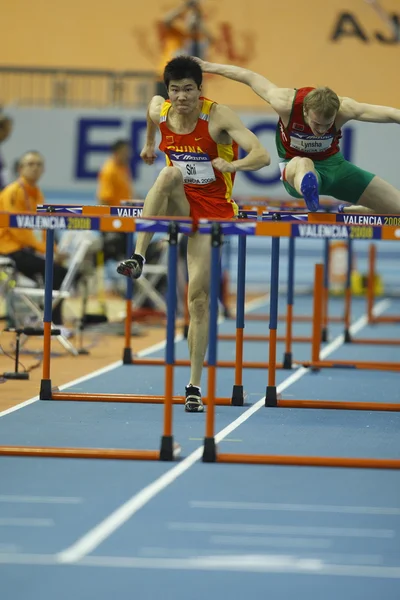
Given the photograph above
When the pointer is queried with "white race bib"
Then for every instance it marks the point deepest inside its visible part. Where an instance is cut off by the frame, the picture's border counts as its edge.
(196, 168)
(310, 143)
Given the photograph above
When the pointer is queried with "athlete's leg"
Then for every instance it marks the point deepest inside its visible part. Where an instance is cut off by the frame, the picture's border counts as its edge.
(198, 256)
(166, 197)
(363, 188)
(381, 197)
(301, 174)
(296, 169)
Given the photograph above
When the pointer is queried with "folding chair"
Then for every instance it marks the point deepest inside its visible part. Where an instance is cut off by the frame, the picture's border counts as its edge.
(33, 297)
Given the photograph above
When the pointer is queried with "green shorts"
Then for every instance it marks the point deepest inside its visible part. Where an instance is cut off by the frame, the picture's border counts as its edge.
(338, 178)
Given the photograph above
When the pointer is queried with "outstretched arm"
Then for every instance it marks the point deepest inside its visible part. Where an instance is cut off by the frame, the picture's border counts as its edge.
(280, 99)
(227, 121)
(259, 84)
(359, 111)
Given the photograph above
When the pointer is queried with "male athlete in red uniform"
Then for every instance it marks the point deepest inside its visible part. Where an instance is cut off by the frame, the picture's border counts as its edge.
(307, 139)
(200, 140)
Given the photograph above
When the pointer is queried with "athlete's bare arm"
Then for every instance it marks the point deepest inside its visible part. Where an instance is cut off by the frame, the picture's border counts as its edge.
(359, 111)
(148, 154)
(226, 125)
(280, 99)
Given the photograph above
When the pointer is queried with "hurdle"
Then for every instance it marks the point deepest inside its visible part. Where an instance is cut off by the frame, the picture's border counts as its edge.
(290, 211)
(168, 448)
(288, 338)
(210, 453)
(316, 363)
(370, 292)
(129, 358)
(370, 301)
(273, 229)
(315, 219)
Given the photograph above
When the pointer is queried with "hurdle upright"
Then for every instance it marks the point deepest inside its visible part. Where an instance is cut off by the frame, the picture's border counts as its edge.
(276, 230)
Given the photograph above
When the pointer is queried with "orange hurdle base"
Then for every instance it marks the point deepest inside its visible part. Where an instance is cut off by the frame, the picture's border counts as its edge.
(223, 364)
(101, 453)
(129, 398)
(385, 319)
(295, 318)
(349, 364)
(310, 461)
(263, 338)
(375, 341)
(339, 405)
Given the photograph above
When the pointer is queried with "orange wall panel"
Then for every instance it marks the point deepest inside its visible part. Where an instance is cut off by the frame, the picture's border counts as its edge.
(289, 42)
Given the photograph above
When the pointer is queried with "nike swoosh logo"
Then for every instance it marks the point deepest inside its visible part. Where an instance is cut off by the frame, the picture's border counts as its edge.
(197, 139)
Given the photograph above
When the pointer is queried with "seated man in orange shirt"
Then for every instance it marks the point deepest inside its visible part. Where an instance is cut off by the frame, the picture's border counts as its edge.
(22, 245)
(115, 178)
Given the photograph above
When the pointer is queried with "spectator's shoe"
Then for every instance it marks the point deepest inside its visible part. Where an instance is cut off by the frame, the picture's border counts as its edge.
(193, 402)
(131, 267)
(309, 190)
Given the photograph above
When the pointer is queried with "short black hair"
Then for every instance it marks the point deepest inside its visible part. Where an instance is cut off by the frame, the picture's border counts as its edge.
(183, 67)
(118, 144)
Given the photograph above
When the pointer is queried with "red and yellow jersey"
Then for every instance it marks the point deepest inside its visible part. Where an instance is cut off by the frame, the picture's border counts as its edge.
(209, 192)
(297, 139)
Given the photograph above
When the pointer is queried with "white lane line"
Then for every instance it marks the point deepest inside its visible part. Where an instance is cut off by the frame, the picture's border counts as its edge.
(245, 563)
(160, 552)
(269, 506)
(292, 530)
(111, 367)
(94, 537)
(200, 439)
(40, 499)
(14, 522)
(275, 542)
(62, 387)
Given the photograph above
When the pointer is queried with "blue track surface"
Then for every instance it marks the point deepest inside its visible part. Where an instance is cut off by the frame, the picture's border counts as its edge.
(109, 529)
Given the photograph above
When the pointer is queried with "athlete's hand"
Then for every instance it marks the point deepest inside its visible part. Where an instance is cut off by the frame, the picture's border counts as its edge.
(224, 166)
(148, 154)
(202, 63)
